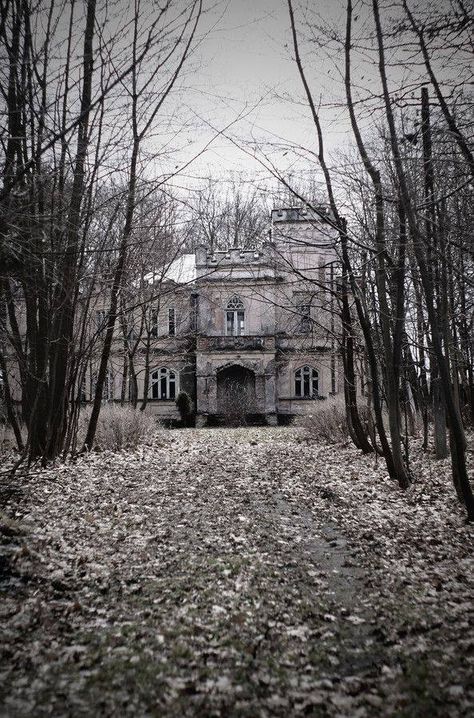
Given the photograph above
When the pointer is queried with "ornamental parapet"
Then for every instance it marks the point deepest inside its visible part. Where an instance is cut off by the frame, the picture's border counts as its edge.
(240, 343)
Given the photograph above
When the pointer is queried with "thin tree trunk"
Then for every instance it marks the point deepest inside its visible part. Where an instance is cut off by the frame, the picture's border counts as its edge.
(392, 351)
(7, 397)
(146, 376)
(360, 436)
(456, 434)
(439, 412)
(123, 388)
(63, 301)
(448, 115)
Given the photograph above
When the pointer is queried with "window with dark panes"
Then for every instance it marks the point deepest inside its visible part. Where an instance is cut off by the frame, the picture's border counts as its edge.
(304, 311)
(163, 384)
(235, 317)
(306, 382)
(171, 322)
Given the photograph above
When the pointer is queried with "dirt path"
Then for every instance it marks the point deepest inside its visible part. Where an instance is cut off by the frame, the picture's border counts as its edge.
(208, 575)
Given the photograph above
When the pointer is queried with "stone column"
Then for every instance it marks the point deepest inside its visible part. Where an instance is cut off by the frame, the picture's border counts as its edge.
(270, 398)
(260, 400)
(212, 394)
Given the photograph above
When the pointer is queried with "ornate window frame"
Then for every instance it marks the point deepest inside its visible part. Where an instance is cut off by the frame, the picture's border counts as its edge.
(306, 382)
(235, 317)
(164, 384)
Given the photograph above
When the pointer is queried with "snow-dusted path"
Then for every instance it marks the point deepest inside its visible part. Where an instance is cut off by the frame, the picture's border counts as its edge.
(234, 573)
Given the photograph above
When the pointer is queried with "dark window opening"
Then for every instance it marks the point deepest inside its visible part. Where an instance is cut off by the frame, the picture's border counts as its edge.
(306, 383)
(163, 384)
(171, 322)
(154, 323)
(304, 311)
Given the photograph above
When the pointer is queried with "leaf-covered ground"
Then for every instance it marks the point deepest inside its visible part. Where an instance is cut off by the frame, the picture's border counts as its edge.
(235, 572)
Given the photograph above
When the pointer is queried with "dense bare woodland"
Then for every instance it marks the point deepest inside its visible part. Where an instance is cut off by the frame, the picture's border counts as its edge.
(323, 568)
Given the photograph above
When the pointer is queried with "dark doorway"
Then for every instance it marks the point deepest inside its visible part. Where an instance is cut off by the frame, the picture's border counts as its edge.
(236, 394)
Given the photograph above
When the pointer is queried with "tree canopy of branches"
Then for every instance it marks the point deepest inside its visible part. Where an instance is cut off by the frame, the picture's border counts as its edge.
(82, 89)
(407, 195)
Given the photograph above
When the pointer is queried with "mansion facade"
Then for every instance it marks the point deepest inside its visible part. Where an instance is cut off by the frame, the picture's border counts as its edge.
(249, 332)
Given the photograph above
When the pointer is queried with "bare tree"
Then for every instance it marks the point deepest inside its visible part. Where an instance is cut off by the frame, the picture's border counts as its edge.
(139, 89)
(457, 440)
(355, 424)
(234, 217)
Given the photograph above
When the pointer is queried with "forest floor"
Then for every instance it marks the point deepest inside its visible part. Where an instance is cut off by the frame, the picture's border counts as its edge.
(235, 572)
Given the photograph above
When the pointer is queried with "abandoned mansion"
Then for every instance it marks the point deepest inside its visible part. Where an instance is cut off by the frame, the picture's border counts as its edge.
(246, 331)
(249, 333)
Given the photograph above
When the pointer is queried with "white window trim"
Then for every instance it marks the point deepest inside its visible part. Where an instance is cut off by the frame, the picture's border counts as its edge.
(235, 307)
(169, 381)
(154, 323)
(313, 375)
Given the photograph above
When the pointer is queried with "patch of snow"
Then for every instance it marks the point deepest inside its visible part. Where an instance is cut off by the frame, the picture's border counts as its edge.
(182, 270)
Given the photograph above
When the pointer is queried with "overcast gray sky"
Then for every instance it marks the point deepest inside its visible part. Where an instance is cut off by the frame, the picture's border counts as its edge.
(243, 72)
(245, 66)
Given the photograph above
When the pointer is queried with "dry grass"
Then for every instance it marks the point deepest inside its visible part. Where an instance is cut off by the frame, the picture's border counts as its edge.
(327, 422)
(119, 427)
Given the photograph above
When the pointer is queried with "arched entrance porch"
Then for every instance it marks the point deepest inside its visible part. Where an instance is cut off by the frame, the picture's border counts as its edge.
(236, 398)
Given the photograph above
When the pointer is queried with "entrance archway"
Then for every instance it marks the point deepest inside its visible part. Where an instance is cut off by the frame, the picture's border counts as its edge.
(235, 394)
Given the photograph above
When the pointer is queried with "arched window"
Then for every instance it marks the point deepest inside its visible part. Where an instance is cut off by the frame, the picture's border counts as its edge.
(306, 382)
(235, 317)
(163, 383)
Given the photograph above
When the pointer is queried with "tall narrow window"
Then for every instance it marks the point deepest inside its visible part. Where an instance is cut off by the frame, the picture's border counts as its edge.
(235, 317)
(171, 322)
(163, 384)
(194, 312)
(100, 317)
(306, 382)
(304, 311)
(154, 323)
(129, 326)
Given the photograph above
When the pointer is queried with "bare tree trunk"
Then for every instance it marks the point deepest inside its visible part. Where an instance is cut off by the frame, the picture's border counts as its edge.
(146, 376)
(358, 434)
(112, 313)
(448, 115)
(420, 346)
(392, 351)
(7, 397)
(467, 342)
(439, 412)
(123, 386)
(138, 135)
(63, 300)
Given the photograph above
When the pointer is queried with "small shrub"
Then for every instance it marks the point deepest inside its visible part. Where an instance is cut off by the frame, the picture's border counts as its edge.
(185, 407)
(327, 421)
(119, 427)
